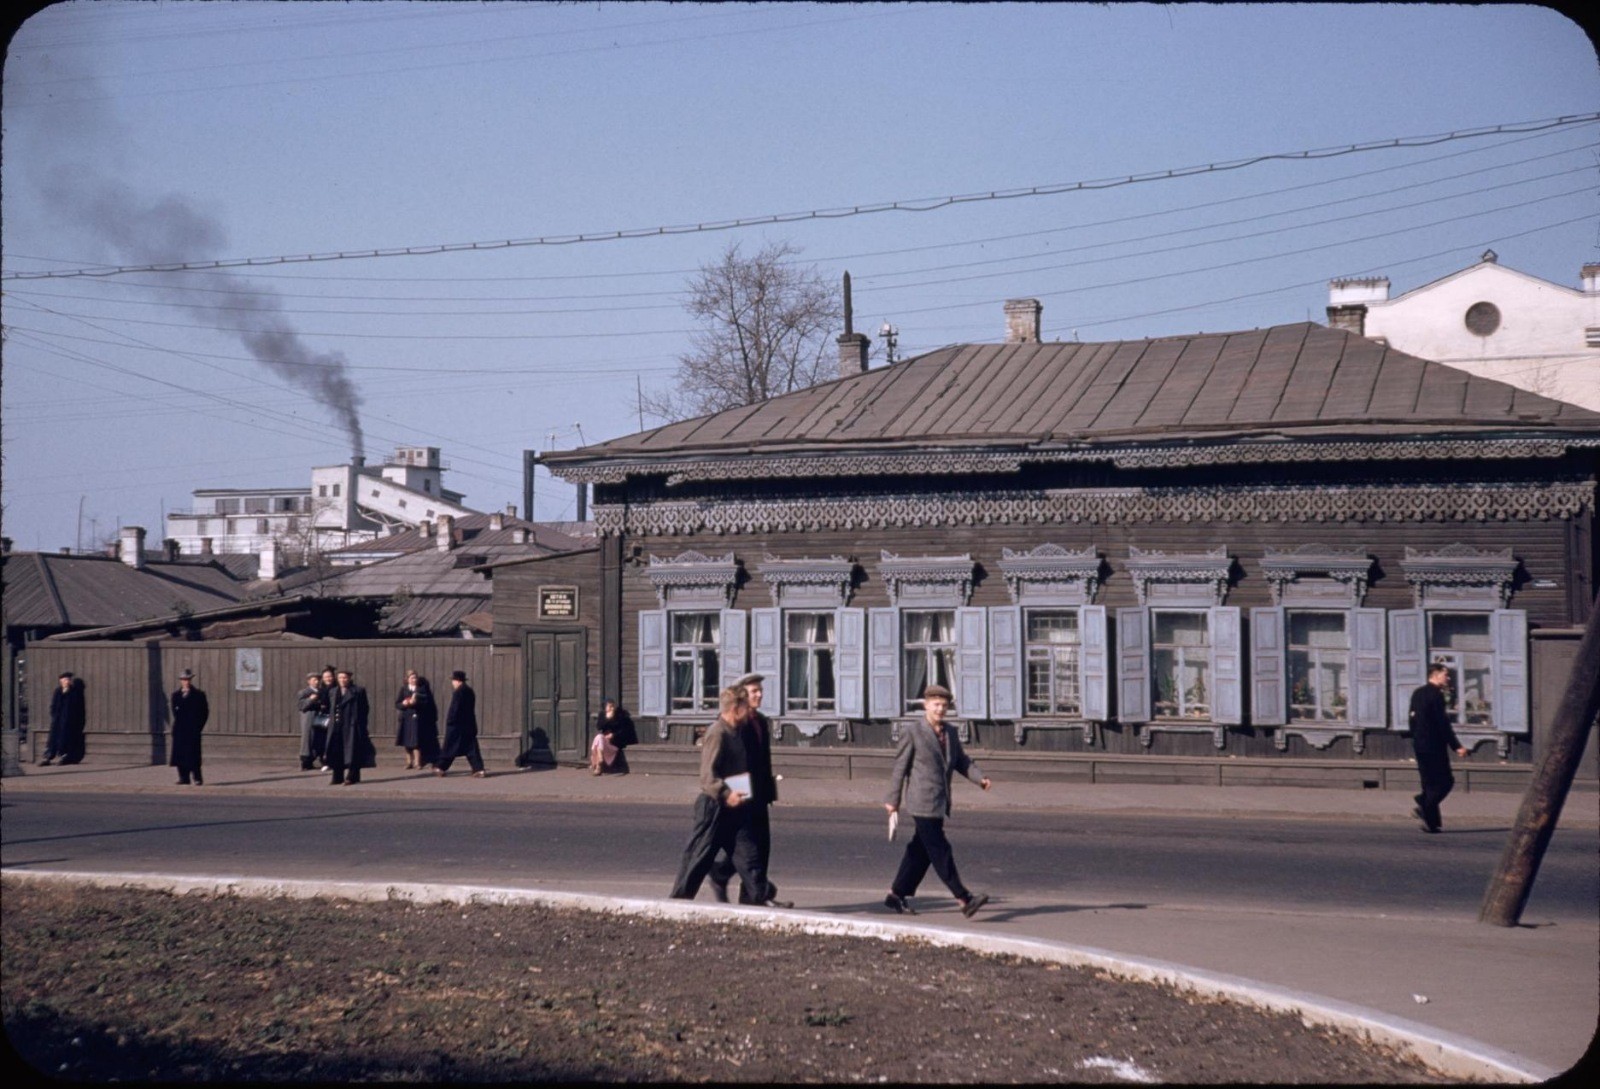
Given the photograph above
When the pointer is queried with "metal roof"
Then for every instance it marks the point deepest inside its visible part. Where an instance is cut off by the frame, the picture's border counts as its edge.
(471, 529)
(1300, 380)
(50, 590)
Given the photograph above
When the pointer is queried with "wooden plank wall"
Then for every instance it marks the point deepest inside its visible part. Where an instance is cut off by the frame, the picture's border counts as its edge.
(127, 684)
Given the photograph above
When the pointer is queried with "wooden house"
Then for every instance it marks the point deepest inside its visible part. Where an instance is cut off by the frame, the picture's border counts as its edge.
(1234, 545)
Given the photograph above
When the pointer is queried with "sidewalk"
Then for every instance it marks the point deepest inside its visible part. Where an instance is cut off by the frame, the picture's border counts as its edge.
(1529, 993)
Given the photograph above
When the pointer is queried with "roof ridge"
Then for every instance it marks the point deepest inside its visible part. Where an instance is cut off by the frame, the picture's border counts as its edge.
(49, 580)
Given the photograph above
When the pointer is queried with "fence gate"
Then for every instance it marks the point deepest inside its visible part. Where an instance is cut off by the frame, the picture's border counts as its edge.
(558, 696)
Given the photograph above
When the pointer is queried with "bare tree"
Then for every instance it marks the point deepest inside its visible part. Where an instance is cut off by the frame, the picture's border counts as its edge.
(766, 326)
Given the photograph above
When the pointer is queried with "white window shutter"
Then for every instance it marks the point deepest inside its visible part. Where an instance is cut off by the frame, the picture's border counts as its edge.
(1269, 694)
(1227, 666)
(733, 659)
(1369, 660)
(883, 663)
(1510, 671)
(1006, 658)
(1093, 664)
(1133, 665)
(766, 655)
(653, 652)
(972, 663)
(1408, 660)
(849, 662)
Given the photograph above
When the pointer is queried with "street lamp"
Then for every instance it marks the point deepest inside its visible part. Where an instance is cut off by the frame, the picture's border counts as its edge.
(891, 338)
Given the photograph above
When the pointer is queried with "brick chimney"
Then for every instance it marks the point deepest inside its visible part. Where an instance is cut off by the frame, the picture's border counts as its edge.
(497, 520)
(1349, 298)
(1589, 276)
(443, 534)
(207, 547)
(852, 345)
(1022, 321)
(132, 547)
(169, 550)
(268, 568)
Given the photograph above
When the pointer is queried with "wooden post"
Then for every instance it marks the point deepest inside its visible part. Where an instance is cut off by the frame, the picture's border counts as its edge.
(1508, 889)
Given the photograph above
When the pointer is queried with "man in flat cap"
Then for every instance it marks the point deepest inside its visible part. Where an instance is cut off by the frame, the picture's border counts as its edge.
(928, 756)
(756, 732)
(190, 711)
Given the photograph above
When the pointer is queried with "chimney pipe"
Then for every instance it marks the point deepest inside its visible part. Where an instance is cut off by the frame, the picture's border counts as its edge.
(530, 458)
(443, 535)
(1022, 321)
(583, 502)
(206, 546)
(268, 568)
(169, 549)
(133, 547)
(852, 345)
(497, 520)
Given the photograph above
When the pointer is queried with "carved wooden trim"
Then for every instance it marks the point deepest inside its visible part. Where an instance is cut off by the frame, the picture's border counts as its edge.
(1148, 730)
(810, 727)
(1020, 728)
(1318, 737)
(813, 582)
(926, 580)
(1289, 571)
(1460, 574)
(712, 578)
(1051, 575)
(1359, 504)
(1209, 571)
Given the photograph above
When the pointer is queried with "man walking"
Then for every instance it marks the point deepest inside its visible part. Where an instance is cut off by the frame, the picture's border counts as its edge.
(929, 754)
(757, 736)
(1432, 738)
(349, 744)
(461, 729)
(721, 819)
(68, 717)
(190, 711)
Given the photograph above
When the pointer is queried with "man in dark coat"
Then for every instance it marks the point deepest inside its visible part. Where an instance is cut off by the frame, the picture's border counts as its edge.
(461, 728)
(68, 717)
(349, 744)
(721, 821)
(1432, 738)
(757, 736)
(190, 710)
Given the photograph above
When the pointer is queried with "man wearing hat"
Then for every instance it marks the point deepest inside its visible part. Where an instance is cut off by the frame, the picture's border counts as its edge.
(930, 753)
(68, 717)
(190, 710)
(756, 732)
(460, 729)
(349, 744)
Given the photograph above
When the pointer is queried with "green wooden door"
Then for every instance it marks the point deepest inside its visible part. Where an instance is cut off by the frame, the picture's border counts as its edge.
(558, 697)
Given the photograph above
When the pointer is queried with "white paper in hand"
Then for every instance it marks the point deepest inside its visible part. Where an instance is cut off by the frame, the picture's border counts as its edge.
(894, 822)
(739, 784)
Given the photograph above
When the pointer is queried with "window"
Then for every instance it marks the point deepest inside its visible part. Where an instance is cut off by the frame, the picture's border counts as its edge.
(336, 491)
(322, 491)
(256, 504)
(263, 525)
(427, 485)
(227, 506)
(928, 653)
(1054, 677)
(1463, 642)
(696, 661)
(1180, 675)
(809, 645)
(1319, 667)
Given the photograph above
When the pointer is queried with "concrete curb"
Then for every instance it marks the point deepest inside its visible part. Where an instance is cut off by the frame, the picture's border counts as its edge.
(1449, 1054)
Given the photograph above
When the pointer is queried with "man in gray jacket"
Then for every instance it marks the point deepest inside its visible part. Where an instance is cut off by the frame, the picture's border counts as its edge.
(928, 756)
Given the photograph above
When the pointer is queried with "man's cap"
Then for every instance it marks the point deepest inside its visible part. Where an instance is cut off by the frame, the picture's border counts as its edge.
(938, 691)
(458, 675)
(312, 673)
(749, 678)
(67, 674)
(346, 672)
(186, 675)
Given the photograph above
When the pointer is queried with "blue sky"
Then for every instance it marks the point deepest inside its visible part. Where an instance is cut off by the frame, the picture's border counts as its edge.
(137, 132)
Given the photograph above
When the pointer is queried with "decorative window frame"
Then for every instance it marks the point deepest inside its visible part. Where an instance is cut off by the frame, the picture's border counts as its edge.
(1048, 576)
(1178, 579)
(927, 581)
(694, 580)
(1317, 576)
(808, 583)
(1185, 581)
(1459, 576)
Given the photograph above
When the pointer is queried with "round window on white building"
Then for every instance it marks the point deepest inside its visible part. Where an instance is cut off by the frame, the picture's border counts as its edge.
(1483, 318)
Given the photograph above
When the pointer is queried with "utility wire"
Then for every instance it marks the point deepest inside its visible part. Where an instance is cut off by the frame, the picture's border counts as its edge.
(927, 204)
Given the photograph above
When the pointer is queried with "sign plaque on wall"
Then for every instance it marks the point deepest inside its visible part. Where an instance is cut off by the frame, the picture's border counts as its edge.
(558, 603)
(247, 669)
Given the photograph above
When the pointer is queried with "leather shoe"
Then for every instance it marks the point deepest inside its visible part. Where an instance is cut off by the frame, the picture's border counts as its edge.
(974, 902)
(719, 891)
(898, 904)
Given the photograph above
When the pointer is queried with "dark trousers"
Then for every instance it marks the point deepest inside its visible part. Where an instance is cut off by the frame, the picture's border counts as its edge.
(722, 870)
(719, 827)
(333, 759)
(1434, 770)
(928, 847)
(463, 747)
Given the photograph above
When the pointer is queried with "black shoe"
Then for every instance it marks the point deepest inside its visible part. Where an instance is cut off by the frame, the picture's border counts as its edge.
(970, 907)
(183, 782)
(1431, 829)
(199, 781)
(719, 890)
(47, 761)
(899, 905)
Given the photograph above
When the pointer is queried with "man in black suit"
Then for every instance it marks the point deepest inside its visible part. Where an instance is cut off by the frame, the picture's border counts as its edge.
(756, 733)
(461, 728)
(1432, 738)
(190, 712)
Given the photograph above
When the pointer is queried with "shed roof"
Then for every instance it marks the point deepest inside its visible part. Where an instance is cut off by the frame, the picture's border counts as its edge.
(51, 590)
(1293, 381)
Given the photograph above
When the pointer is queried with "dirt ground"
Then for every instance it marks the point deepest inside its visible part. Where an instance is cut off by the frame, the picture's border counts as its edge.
(130, 985)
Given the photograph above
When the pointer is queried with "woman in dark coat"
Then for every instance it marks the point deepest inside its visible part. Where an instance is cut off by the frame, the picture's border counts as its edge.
(190, 711)
(613, 732)
(418, 728)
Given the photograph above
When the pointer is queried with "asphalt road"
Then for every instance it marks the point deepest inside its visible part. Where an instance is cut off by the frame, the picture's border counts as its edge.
(825, 859)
